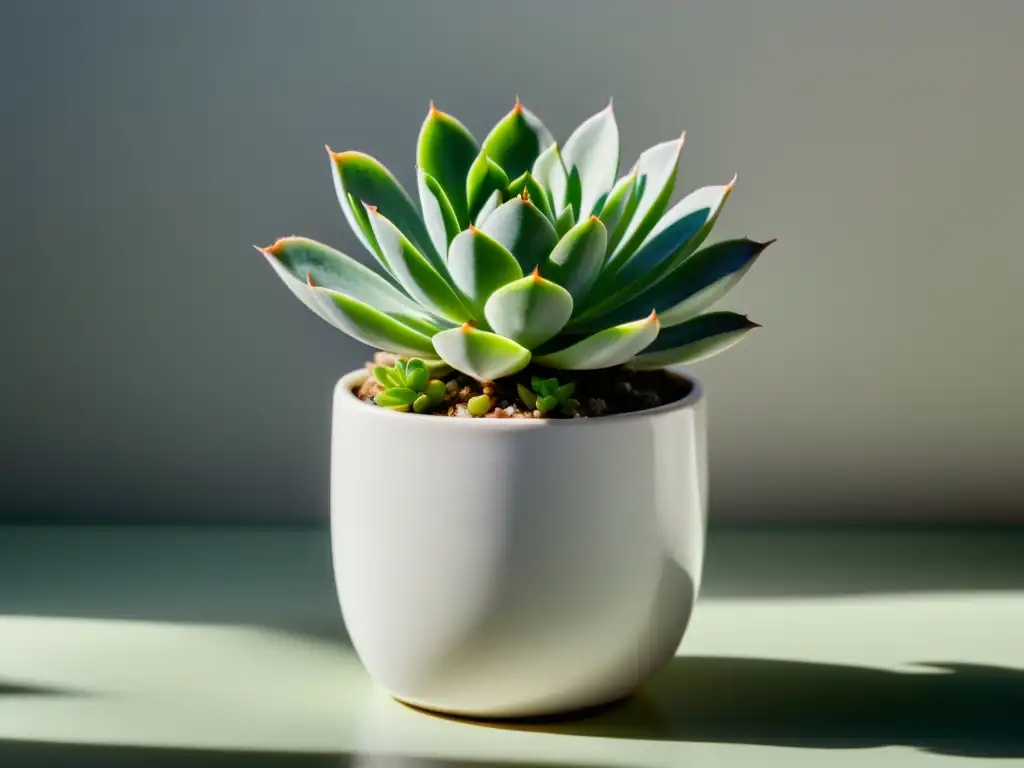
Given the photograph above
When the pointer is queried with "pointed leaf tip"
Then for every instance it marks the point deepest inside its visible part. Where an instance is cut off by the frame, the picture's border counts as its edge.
(653, 318)
(433, 109)
(309, 280)
(518, 105)
(466, 327)
(274, 249)
(594, 218)
(536, 273)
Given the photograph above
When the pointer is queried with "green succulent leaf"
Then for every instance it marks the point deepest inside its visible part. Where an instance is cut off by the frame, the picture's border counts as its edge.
(549, 170)
(438, 214)
(677, 235)
(484, 179)
(363, 178)
(523, 230)
(490, 206)
(547, 403)
(696, 339)
(416, 379)
(446, 150)
(383, 376)
(371, 326)
(436, 391)
(527, 396)
(576, 259)
(695, 285)
(415, 273)
(295, 259)
(479, 265)
(479, 405)
(396, 397)
(565, 220)
(422, 404)
(534, 192)
(593, 151)
(618, 209)
(483, 355)
(362, 220)
(655, 181)
(610, 347)
(564, 392)
(517, 140)
(529, 311)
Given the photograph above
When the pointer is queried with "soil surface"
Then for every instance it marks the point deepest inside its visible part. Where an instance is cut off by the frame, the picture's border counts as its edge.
(599, 393)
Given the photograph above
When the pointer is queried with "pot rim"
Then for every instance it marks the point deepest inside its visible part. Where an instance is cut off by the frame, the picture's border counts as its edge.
(355, 378)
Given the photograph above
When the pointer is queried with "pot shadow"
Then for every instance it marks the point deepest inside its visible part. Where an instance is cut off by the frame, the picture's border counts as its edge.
(946, 708)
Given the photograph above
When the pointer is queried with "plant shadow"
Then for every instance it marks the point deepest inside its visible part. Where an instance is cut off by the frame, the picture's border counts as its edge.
(946, 708)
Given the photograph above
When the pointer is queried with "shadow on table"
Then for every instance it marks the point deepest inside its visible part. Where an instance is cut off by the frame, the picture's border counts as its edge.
(36, 755)
(280, 578)
(947, 708)
(8, 688)
(807, 560)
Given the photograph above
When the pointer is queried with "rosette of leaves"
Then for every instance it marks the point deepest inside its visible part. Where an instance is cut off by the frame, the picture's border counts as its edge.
(407, 384)
(524, 250)
(545, 395)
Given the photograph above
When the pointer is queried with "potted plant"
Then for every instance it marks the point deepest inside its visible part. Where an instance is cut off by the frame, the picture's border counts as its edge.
(519, 484)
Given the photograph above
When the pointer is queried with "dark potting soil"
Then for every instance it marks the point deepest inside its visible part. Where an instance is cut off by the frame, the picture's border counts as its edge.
(599, 393)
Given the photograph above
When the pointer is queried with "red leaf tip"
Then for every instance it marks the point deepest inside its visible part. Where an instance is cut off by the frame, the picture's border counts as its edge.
(536, 274)
(274, 249)
(594, 218)
(433, 109)
(518, 106)
(653, 318)
(309, 279)
(466, 327)
(473, 229)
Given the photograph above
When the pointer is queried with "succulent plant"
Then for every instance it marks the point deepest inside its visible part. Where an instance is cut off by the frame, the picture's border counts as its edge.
(408, 384)
(522, 251)
(546, 395)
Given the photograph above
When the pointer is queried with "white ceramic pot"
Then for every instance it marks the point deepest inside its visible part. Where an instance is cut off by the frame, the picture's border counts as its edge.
(516, 567)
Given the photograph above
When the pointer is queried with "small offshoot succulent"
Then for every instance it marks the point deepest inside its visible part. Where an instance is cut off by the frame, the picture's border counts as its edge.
(523, 251)
(546, 395)
(408, 384)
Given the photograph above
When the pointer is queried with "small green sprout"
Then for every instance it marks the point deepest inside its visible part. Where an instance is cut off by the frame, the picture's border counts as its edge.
(408, 384)
(479, 405)
(545, 395)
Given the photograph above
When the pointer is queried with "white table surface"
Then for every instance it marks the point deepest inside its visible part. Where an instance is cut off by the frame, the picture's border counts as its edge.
(224, 647)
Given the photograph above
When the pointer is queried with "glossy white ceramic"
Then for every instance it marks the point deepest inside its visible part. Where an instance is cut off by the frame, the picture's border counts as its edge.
(513, 567)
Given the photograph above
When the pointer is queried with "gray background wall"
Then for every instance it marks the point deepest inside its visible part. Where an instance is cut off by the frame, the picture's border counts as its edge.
(154, 368)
